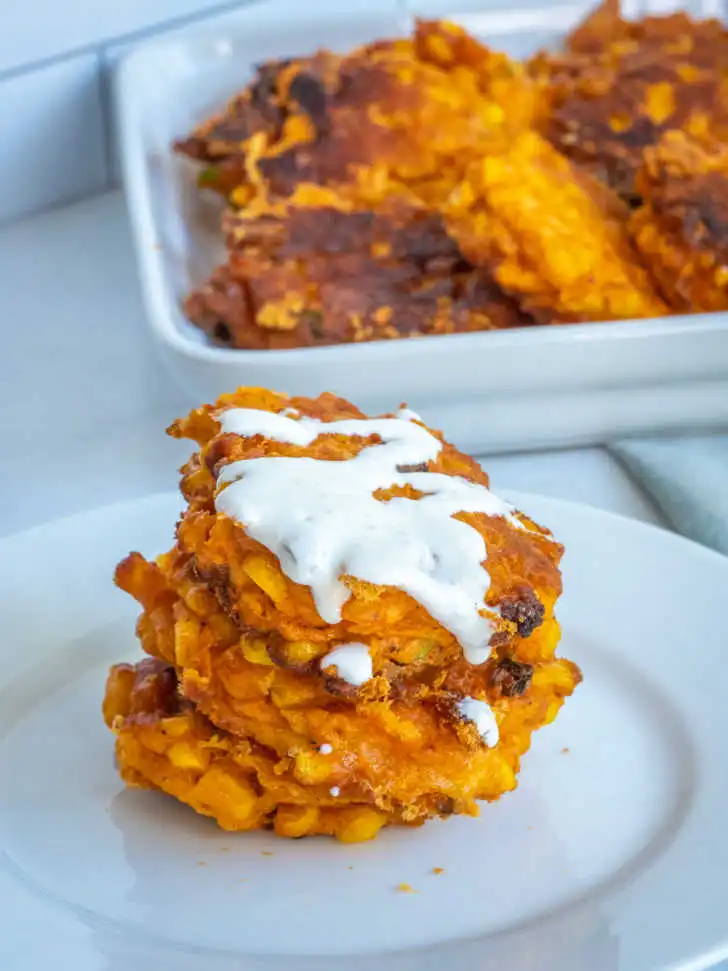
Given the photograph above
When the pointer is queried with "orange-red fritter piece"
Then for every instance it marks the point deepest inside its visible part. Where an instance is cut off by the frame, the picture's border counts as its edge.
(681, 229)
(622, 84)
(554, 238)
(242, 715)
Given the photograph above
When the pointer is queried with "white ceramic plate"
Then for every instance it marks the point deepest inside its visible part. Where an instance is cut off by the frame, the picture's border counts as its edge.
(532, 387)
(611, 856)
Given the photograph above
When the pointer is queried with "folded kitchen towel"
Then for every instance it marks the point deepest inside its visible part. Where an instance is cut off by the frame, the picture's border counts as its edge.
(687, 479)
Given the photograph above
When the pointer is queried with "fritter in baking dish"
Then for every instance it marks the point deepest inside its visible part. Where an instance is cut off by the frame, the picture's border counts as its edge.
(310, 271)
(430, 185)
(621, 84)
(401, 111)
(349, 631)
(335, 168)
(553, 237)
(681, 229)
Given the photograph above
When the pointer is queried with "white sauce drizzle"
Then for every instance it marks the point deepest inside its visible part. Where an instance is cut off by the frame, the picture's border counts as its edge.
(408, 415)
(326, 749)
(321, 520)
(353, 663)
(481, 715)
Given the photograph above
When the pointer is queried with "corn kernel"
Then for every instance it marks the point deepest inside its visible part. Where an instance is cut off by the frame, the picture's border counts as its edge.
(183, 756)
(659, 101)
(493, 114)
(266, 577)
(620, 122)
(311, 768)
(152, 740)
(300, 652)
(506, 776)
(256, 652)
(298, 128)
(292, 695)
(186, 640)
(175, 726)
(414, 650)
(119, 687)
(689, 73)
(241, 195)
(295, 821)
(381, 251)
(440, 49)
(405, 730)
(200, 601)
(221, 792)
(359, 825)
(250, 685)
(383, 315)
(281, 314)
(552, 710)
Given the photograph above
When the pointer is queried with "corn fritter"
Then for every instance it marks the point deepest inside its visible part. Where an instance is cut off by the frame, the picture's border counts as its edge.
(245, 713)
(521, 212)
(681, 229)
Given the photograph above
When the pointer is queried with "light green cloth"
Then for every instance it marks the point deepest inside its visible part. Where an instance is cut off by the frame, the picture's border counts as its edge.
(688, 481)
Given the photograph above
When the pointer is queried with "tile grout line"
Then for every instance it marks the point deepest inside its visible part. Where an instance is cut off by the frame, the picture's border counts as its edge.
(100, 46)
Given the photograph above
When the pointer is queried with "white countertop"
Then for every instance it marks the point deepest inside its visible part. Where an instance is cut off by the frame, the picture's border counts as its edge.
(85, 402)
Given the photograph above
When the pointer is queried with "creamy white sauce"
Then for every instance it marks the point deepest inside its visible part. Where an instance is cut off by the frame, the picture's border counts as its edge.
(481, 715)
(321, 520)
(335, 791)
(326, 749)
(353, 663)
(408, 415)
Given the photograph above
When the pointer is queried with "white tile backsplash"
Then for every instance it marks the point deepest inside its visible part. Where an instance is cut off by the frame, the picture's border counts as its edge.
(40, 29)
(52, 145)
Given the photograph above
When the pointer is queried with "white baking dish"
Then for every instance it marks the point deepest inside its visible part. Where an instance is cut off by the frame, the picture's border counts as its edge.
(536, 387)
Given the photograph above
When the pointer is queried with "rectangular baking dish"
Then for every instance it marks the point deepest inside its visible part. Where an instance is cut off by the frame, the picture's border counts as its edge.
(540, 387)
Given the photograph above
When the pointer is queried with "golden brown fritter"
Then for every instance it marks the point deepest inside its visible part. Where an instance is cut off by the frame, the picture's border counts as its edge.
(621, 84)
(402, 111)
(164, 743)
(378, 194)
(335, 168)
(318, 273)
(606, 32)
(553, 237)
(681, 230)
(393, 765)
(243, 645)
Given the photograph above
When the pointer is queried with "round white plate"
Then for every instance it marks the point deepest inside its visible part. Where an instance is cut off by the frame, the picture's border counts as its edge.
(612, 855)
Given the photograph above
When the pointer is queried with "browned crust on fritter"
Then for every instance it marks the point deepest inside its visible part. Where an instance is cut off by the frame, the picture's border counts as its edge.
(525, 610)
(280, 90)
(681, 229)
(346, 276)
(622, 84)
(334, 167)
(322, 115)
(512, 677)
